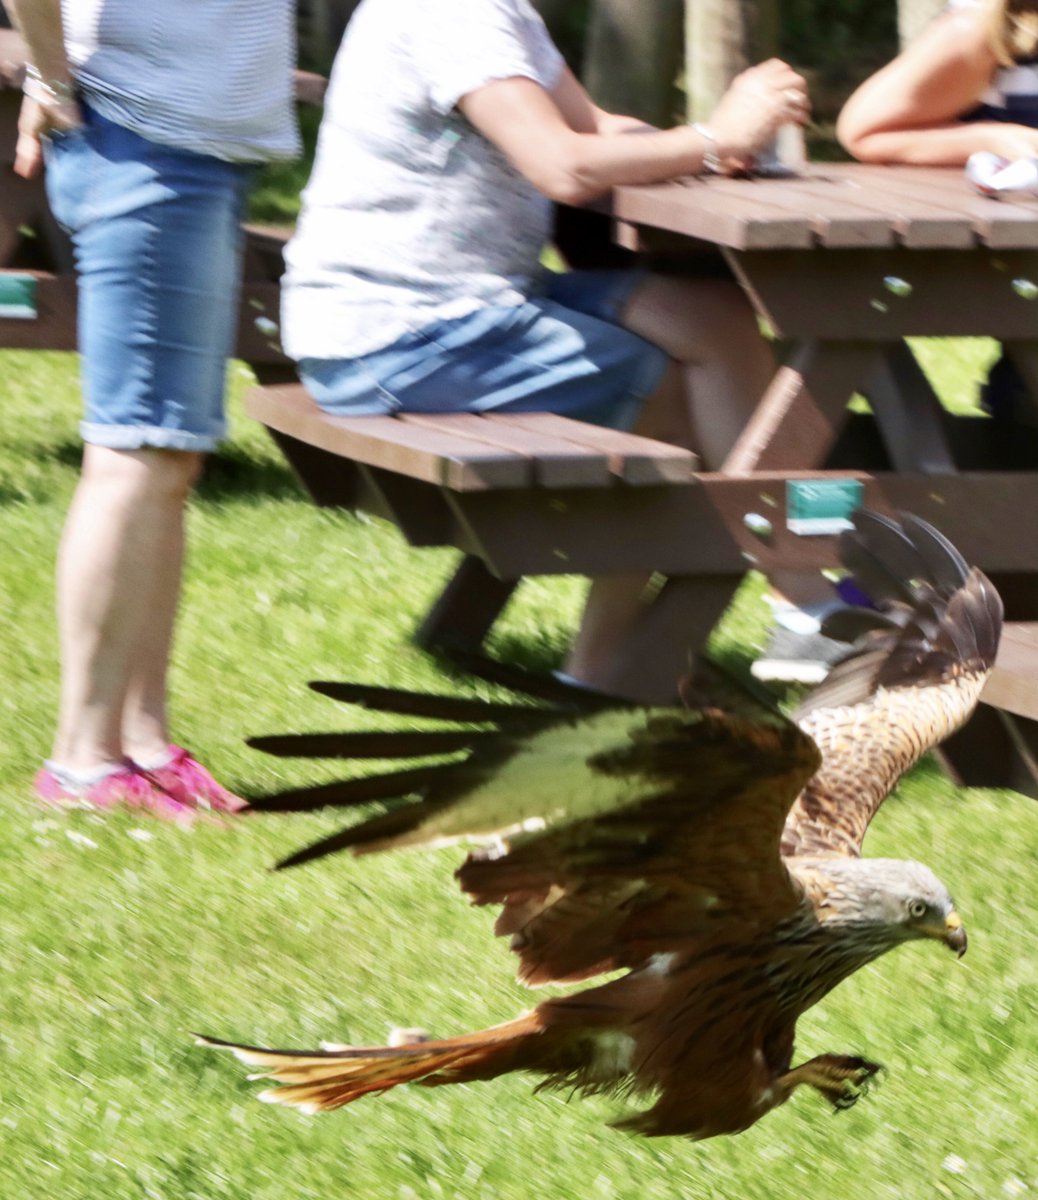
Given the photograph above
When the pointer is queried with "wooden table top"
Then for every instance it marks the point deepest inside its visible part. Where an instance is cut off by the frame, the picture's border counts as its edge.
(835, 205)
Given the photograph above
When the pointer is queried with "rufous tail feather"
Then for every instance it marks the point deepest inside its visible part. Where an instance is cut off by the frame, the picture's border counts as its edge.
(320, 1080)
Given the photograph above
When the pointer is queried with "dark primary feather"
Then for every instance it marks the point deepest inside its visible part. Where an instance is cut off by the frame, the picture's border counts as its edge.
(934, 614)
(350, 793)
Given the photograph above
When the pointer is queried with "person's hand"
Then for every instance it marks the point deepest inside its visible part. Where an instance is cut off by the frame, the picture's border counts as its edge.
(751, 111)
(37, 120)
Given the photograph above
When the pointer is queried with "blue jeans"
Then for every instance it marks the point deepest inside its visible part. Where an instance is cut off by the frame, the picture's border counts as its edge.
(563, 352)
(157, 236)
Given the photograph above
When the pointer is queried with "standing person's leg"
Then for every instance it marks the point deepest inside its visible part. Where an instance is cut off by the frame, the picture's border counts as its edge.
(157, 236)
(120, 553)
(171, 475)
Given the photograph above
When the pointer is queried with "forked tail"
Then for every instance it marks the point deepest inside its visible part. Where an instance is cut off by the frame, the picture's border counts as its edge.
(320, 1080)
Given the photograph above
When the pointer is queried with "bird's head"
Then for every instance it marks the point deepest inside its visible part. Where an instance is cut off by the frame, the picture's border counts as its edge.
(887, 901)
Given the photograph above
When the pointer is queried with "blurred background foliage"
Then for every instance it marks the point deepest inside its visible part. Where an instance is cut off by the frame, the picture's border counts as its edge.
(838, 42)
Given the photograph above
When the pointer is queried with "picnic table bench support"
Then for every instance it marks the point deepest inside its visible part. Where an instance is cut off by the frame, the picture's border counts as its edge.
(994, 749)
(799, 418)
(466, 609)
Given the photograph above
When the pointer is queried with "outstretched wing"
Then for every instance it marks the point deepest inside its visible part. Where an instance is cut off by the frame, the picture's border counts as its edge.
(616, 834)
(914, 676)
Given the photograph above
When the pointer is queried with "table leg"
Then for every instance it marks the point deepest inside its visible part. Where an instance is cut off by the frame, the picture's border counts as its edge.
(909, 414)
(466, 609)
(994, 749)
(1024, 356)
(800, 416)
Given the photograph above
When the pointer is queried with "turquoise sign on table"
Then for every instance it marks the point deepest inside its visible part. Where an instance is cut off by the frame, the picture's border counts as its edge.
(822, 506)
(18, 297)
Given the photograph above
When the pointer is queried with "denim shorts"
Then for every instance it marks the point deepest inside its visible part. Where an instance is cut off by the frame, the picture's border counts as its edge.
(157, 238)
(563, 351)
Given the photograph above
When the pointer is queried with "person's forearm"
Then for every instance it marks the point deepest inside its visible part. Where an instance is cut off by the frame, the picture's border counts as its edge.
(39, 22)
(592, 164)
(611, 123)
(947, 145)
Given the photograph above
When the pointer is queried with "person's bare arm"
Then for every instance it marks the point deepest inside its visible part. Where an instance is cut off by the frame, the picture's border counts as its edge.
(909, 112)
(573, 151)
(39, 22)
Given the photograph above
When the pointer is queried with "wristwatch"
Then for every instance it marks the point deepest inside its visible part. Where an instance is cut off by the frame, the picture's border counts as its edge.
(48, 92)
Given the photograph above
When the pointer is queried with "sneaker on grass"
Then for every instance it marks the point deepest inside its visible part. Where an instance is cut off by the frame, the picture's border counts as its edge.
(184, 778)
(125, 787)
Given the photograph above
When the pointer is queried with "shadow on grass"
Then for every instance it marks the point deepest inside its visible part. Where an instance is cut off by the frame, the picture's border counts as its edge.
(231, 474)
(61, 454)
(532, 652)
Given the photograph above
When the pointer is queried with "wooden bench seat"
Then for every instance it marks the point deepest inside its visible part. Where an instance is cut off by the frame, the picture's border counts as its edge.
(517, 494)
(469, 453)
(1013, 685)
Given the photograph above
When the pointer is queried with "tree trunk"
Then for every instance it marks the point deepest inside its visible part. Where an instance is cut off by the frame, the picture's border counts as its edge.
(633, 57)
(913, 15)
(722, 38)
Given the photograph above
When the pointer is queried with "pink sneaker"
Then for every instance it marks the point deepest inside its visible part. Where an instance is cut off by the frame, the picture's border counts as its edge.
(127, 787)
(190, 784)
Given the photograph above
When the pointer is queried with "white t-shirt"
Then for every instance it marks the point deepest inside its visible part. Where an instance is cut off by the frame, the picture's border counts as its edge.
(212, 76)
(411, 215)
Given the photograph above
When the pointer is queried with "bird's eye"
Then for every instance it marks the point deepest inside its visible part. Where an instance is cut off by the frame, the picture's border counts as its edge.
(917, 908)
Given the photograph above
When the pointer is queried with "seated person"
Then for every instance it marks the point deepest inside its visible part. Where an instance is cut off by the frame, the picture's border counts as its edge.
(969, 82)
(414, 282)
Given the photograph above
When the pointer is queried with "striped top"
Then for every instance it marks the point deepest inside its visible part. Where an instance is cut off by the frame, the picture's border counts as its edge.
(212, 76)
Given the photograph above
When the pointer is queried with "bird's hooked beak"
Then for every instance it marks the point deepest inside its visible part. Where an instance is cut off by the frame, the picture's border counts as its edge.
(954, 933)
(951, 932)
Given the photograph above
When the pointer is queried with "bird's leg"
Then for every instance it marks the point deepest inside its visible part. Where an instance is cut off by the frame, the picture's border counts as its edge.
(841, 1078)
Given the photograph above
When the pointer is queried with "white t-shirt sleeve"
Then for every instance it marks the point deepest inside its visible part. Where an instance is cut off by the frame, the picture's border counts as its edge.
(459, 46)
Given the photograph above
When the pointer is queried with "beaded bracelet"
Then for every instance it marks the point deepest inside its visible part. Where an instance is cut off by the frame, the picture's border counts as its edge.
(711, 159)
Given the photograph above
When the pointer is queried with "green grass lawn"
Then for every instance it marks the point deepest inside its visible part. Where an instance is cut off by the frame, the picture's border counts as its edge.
(121, 935)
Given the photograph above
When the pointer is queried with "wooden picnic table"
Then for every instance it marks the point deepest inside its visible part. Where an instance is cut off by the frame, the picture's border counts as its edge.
(845, 262)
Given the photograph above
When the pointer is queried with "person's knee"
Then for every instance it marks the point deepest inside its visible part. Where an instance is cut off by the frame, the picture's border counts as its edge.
(165, 476)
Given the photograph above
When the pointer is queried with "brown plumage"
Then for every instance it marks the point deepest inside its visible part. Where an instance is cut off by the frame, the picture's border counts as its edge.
(712, 853)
